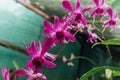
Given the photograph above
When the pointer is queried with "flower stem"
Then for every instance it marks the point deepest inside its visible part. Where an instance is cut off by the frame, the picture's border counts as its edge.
(82, 57)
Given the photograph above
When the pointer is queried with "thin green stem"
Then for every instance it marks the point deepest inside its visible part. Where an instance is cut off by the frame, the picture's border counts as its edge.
(93, 77)
(93, 21)
(109, 52)
(82, 57)
(98, 21)
(15, 65)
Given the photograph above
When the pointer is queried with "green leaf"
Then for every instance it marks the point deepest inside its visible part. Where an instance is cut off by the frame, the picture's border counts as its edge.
(116, 73)
(115, 41)
(97, 69)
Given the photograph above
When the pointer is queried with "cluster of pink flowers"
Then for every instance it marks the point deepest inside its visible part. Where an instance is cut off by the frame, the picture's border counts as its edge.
(60, 33)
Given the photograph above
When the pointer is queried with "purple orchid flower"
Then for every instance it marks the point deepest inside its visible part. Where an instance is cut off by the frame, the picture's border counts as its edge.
(5, 73)
(100, 5)
(58, 32)
(30, 73)
(77, 13)
(113, 19)
(92, 37)
(39, 58)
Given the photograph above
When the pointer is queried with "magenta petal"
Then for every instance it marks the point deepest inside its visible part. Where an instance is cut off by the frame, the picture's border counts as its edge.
(5, 73)
(110, 12)
(70, 36)
(56, 22)
(40, 76)
(47, 25)
(106, 23)
(47, 43)
(20, 72)
(93, 13)
(96, 2)
(67, 5)
(29, 64)
(43, 78)
(102, 3)
(29, 78)
(39, 46)
(49, 56)
(47, 31)
(77, 5)
(49, 64)
(83, 19)
(37, 69)
(115, 17)
(33, 48)
(86, 9)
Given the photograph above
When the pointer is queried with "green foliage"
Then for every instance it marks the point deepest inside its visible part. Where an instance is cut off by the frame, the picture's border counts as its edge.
(98, 69)
(115, 41)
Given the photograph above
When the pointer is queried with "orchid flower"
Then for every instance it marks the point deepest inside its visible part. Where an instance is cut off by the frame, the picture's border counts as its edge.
(30, 73)
(39, 58)
(58, 31)
(79, 17)
(100, 5)
(113, 17)
(92, 37)
(5, 73)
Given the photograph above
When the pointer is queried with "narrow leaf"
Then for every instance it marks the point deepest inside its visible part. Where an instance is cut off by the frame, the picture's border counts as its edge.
(97, 69)
(115, 41)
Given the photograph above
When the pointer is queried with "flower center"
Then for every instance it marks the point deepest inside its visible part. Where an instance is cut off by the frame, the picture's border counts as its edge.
(112, 22)
(99, 11)
(37, 61)
(78, 18)
(59, 35)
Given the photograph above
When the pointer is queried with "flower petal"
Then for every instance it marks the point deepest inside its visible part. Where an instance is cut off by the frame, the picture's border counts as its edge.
(96, 2)
(20, 72)
(47, 25)
(47, 43)
(39, 46)
(40, 76)
(115, 17)
(37, 69)
(70, 36)
(93, 13)
(77, 5)
(33, 48)
(5, 73)
(106, 23)
(110, 12)
(56, 22)
(84, 21)
(49, 56)
(48, 32)
(49, 64)
(67, 5)
(86, 9)
(29, 64)
(102, 2)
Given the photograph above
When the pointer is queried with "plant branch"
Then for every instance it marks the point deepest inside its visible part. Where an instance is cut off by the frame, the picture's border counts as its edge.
(11, 46)
(35, 9)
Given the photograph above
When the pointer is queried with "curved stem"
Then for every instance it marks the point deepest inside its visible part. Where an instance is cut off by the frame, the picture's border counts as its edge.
(82, 57)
